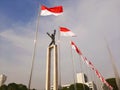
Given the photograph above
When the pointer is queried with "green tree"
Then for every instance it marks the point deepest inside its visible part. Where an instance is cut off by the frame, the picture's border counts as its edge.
(112, 82)
(22, 87)
(3, 87)
(13, 86)
(79, 86)
(65, 88)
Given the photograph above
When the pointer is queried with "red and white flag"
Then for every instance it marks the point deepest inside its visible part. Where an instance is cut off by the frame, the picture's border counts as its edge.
(66, 32)
(86, 61)
(91, 65)
(57, 10)
(98, 74)
(76, 48)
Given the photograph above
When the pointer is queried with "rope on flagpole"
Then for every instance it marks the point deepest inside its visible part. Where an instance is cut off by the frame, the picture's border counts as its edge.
(34, 49)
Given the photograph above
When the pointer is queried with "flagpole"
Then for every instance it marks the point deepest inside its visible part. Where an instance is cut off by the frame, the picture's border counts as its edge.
(117, 78)
(95, 78)
(59, 59)
(73, 70)
(82, 69)
(34, 49)
(91, 76)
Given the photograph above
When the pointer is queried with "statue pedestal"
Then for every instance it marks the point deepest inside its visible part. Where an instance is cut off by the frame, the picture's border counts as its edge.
(55, 68)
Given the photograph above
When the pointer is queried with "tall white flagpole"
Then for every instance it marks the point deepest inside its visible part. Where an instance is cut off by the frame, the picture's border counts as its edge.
(34, 49)
(81, 64)
(59, 60)
(74, 72)
(117, 78)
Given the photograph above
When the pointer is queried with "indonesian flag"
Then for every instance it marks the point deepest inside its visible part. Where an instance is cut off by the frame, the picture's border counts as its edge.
(103, 80)
(76, 48)
(91, 65)
(86, 61)
(98, 74)
(57, 10)
(66, 32)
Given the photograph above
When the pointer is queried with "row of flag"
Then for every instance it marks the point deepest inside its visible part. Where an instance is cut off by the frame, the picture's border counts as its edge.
(89, 64)
(58, 10)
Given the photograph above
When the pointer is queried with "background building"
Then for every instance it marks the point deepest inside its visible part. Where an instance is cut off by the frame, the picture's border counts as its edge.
(82, 78)
(2, 79)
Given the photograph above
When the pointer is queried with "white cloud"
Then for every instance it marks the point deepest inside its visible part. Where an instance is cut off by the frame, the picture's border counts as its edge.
(16, 39)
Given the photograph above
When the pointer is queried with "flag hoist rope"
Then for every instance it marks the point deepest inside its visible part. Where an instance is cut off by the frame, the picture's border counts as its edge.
(34, 49)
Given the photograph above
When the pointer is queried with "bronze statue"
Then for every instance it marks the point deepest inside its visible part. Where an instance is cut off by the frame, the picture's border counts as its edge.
(52, 36)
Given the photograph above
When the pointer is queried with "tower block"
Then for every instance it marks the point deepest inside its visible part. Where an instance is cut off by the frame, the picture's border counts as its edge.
(55, 67)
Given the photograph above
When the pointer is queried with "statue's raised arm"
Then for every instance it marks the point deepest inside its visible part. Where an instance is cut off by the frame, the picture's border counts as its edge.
(52, 36)
(48, 34)
(54, 32)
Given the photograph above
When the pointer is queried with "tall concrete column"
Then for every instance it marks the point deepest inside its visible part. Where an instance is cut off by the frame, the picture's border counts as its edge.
(55, 68)
(55, 71)
(48, 69)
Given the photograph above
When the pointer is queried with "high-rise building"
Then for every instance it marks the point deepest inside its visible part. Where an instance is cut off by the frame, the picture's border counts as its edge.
(2, 79)
(81, 78)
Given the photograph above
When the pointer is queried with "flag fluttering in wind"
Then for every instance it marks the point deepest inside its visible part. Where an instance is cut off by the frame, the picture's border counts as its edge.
(66, 32)
(57, 10)
(90, 65)
(76, 48)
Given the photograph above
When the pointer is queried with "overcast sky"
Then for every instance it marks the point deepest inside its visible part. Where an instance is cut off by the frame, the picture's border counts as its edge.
(90, 20)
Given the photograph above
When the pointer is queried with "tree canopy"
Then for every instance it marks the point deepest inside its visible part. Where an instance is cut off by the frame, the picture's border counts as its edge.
(13, 86)
(112, 82)
(79, 86)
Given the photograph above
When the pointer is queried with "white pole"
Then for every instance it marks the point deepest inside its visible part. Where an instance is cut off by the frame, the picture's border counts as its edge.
(59, 60)
(82, 70)
(55, 71)
(117, 78)
(74, 73)
(48, 69)
(34, 50)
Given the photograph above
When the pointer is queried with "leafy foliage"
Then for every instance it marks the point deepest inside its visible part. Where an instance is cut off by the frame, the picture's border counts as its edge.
(79, 86)
(3, 87)
(112, 82)
(65, 88)
(13, 86)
